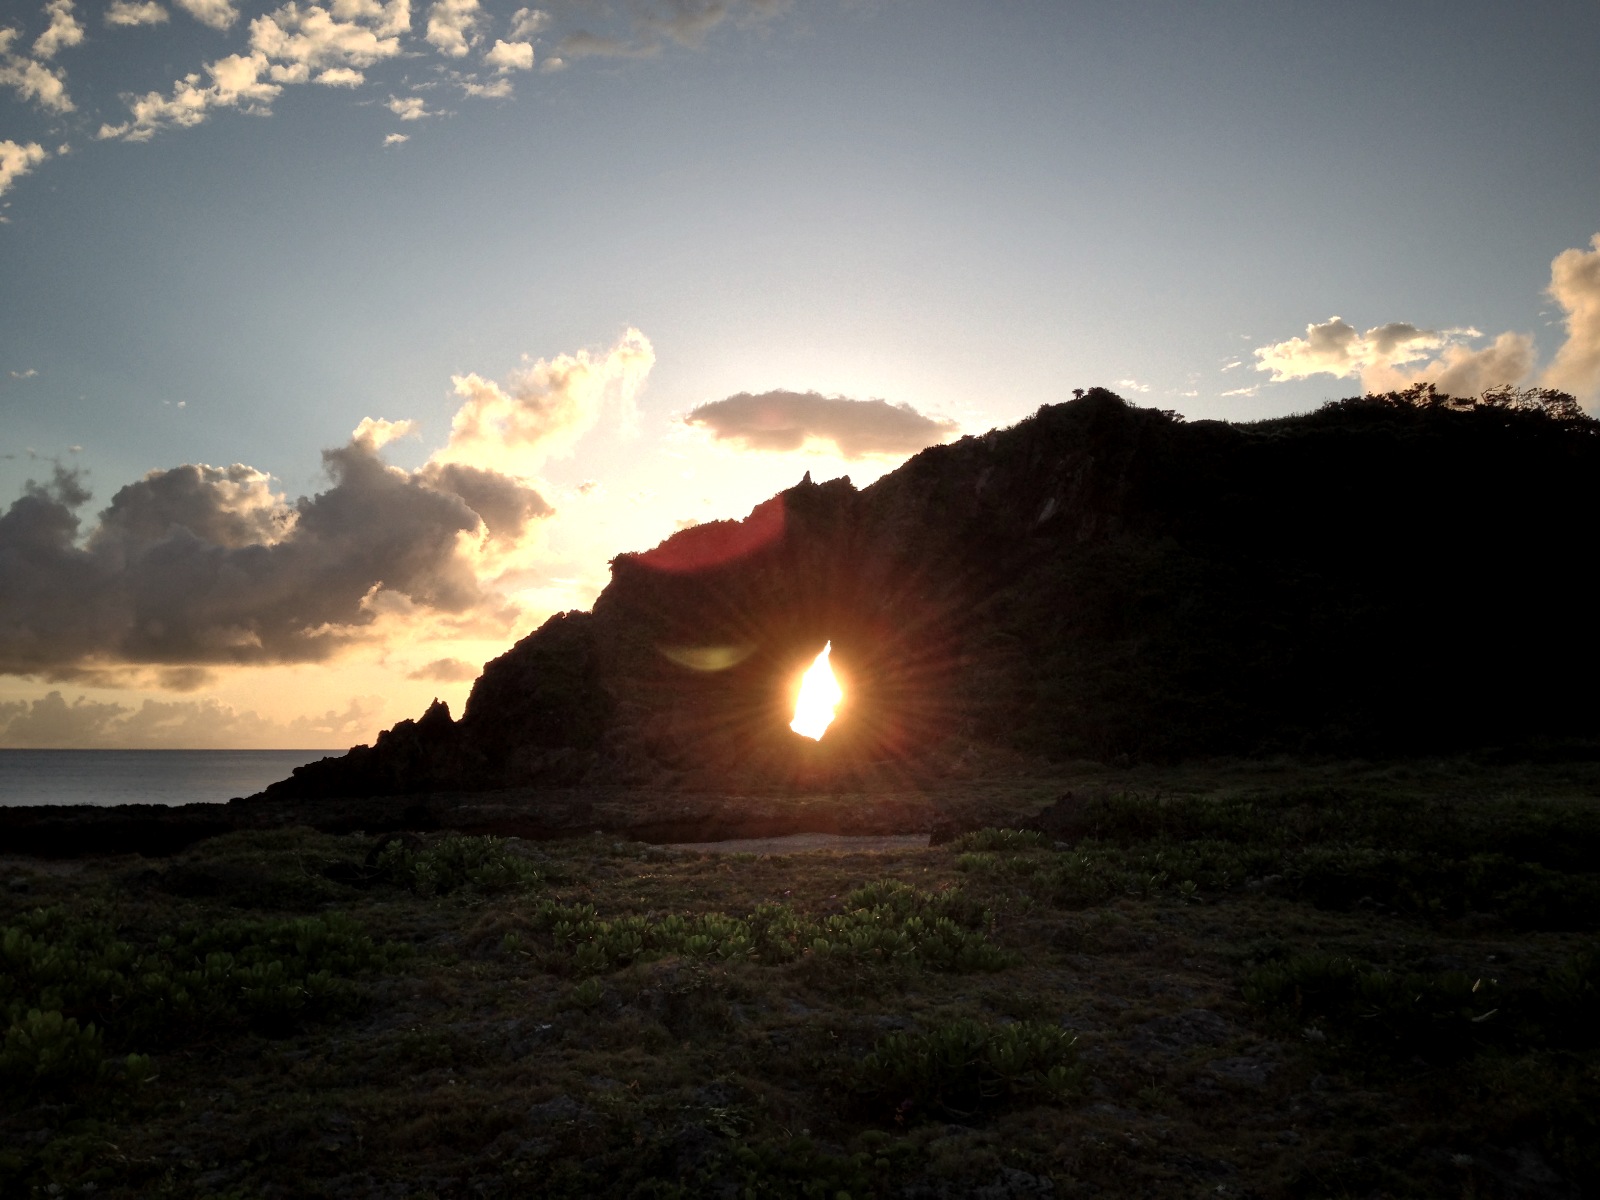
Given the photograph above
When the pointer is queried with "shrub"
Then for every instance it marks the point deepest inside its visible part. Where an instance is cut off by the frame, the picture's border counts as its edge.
(70, 986)
(963, 1066)
(482, 864)
(884, 923)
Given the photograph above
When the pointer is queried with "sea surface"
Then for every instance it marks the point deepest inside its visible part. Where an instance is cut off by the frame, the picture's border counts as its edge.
(143, 776)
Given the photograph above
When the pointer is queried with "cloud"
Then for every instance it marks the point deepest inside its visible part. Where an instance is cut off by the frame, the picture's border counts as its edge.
(1575, 285)
(450, 26)
(289, 45)
(505, 505)
(497, 89)
(396, 139)
(33, 80)
(584, 44)
(788, 420)
(655, 23)
(388, 18)
(1397, 355)
(16, 160)
(408, 108)
(235, 81)
(543, 409)
(201, 565)
(1460, 371)
(219, 14)
(314, 38)
(338, 43)
(49, 721)
(62, 33)
(446, 670)
(132, 12)
(510, 56)
(528, 22)
(197, 566)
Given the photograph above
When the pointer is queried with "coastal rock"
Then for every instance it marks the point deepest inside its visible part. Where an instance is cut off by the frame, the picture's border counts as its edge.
(1386, 575)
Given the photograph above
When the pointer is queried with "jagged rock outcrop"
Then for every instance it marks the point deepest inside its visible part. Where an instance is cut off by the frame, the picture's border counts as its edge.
(1385, 575)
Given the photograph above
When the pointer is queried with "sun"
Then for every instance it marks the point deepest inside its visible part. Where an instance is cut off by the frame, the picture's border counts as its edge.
(818, 700)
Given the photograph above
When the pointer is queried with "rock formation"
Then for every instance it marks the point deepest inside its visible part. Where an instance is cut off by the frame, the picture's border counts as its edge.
(1385, 575)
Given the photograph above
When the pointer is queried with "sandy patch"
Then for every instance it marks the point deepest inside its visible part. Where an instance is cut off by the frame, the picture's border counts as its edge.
(798, 843)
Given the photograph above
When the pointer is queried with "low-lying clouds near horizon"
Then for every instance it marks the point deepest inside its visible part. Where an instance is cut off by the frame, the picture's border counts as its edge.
(1399, 355)
(339, 45)
(49, 722)
(195, 566)
(787, 421)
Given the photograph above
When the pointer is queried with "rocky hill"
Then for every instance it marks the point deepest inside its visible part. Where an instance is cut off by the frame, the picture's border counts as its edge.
(1392, 574)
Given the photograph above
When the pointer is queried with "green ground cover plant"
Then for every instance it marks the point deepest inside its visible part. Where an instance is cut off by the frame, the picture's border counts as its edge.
(1282, 980)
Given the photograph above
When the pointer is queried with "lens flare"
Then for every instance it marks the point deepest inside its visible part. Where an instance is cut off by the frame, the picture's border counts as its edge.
(818, 700)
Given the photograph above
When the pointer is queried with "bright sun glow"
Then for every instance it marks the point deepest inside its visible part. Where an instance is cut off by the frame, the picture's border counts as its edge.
(819, 698)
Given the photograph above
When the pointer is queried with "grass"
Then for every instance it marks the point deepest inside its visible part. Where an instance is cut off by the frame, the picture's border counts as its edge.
(1273, 980)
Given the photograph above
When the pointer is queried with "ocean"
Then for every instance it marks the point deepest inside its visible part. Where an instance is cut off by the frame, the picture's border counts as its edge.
(143, 776)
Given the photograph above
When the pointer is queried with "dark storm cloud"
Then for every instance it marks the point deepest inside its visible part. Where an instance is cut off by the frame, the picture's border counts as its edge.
(787, 420)
(205, 565)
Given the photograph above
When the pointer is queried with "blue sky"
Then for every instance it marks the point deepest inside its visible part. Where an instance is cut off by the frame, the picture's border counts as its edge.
(935, 216)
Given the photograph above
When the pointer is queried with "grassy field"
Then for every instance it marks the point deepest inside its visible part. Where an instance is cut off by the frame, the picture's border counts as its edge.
(1259, 980)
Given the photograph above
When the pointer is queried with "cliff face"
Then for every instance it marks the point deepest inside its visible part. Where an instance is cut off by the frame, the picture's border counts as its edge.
(1386, 575)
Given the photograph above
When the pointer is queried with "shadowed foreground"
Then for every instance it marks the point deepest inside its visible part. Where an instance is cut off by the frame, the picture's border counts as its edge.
(1266, 980)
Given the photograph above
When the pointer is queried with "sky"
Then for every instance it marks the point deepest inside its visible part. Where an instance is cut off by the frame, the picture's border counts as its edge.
(343, 342)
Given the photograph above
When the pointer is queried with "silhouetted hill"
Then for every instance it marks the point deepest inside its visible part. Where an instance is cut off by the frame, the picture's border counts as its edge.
(1386, 575)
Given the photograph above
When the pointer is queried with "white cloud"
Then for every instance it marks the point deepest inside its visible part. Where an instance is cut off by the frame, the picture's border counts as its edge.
(1460, 370)
(62, 33)
(396, 139)
(451, 24)
(1575, 285)
(1336, 348)
(16, 160)
(387, 20)
(219, 14)
(1243, 391)
(497, 89)
(1397, 355)
(235, 81)
(408, 108)
(290, 45)
(510, 56)
(314, 38)
(341, 77)
(528, 22)
(133, 12)
(1133, 385)
(542, 410)
(34, 81)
